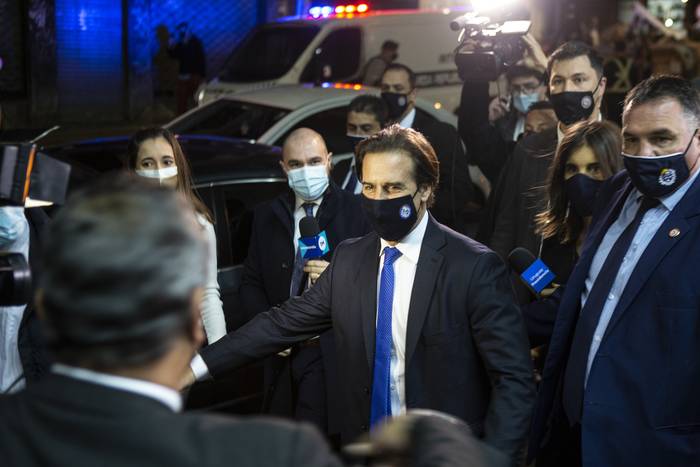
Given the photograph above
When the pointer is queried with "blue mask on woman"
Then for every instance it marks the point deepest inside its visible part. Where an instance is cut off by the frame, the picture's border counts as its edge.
(581, 190)
(658, 176)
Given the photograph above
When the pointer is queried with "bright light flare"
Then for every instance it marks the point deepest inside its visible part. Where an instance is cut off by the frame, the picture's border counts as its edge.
(668, 23)
(481, 6)
(362, 8)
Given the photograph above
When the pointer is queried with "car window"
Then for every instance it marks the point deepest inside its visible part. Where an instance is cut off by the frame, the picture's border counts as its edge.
(337, 59)
(230, 118)
(239, 201)
(328, 123)
(268, 53)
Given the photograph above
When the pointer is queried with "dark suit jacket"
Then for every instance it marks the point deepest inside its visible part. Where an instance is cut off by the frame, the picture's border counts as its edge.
(268, 273)
(456, 201)
(466, 348)
(641, 404)
(61, 421)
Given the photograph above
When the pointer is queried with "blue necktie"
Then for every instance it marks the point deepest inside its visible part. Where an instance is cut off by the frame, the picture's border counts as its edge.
(381, 395)
(575, 373)
(352, 182)
(299, 262)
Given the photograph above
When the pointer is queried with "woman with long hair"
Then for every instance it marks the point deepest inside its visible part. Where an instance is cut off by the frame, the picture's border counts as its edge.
(155, 153)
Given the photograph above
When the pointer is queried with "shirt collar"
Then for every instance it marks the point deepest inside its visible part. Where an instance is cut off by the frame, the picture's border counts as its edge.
(409, 246)
(162, 394)
(407, 121)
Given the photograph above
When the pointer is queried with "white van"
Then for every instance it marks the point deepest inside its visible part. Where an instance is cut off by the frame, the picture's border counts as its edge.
(336, 48)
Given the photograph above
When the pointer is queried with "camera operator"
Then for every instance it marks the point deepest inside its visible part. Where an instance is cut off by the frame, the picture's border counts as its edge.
(490, 130)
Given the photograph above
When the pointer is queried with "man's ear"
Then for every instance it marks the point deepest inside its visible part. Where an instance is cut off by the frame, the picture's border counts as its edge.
(284, 167)
(425, 192)
(601, 87)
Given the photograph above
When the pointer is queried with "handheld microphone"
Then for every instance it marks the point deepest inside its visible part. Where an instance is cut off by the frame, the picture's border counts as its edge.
(532, 271)
(313, 243)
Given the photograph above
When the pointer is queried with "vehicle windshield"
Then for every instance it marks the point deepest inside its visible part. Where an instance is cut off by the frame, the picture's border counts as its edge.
(230, 118)
(268, 53)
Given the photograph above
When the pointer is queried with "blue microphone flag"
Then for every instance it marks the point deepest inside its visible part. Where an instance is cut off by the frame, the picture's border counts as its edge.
(314, 247)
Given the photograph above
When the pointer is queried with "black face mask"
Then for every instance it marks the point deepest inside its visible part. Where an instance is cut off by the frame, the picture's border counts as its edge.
(354, 140)
(396, 104)
(582, 191)
(659, 176)
(573, 106)
(393, 218)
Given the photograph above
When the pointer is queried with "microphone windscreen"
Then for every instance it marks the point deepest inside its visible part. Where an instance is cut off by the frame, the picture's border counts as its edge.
(308, 227)
(520, 259)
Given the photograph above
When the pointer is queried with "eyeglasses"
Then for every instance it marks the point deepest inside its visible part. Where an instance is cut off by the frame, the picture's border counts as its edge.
(527, 88)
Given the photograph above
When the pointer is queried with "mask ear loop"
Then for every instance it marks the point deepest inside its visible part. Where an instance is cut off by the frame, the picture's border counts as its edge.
(688, 147)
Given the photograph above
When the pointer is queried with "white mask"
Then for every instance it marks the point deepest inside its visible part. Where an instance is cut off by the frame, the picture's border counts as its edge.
(308, 182)
(158, 174)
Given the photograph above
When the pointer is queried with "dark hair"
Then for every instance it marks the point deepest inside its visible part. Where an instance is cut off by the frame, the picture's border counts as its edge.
(604, 140)
(572, 49)
(184, 175)
(521, 71)
(665, 87)
(121, 263)
(410, 142)
(405, 69)
(540, 105)
(373, 105)
(390, 45)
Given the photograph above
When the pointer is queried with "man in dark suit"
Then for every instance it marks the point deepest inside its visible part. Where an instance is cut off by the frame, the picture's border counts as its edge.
(423, 317)
(367, 114)
(119, 294)
(302, 385)
(456, 201)
(622, 376)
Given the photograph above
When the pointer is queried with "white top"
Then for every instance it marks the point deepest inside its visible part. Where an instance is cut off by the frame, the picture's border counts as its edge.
(299, 213)
(404, 274)
(162, 394)
(14, 237)
(407, 121)
(211, 307)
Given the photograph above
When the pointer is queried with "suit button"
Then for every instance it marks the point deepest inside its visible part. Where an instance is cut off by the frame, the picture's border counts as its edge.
(366, 389)
(285, 266)
(363, 427)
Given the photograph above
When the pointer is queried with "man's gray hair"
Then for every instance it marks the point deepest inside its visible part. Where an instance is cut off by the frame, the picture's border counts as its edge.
(122, 261)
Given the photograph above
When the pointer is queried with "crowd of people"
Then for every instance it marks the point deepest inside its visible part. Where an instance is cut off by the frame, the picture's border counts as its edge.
(412, 334)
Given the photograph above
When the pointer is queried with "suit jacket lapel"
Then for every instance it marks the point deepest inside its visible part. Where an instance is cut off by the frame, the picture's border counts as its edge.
(283, 208)
(366, 281)
(429, 264)
(659, 246)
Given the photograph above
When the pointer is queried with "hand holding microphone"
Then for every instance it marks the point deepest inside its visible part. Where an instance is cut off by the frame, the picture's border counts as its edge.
(532, 271)
(313, 244)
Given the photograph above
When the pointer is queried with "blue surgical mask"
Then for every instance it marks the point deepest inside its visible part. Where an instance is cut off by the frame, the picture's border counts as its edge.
(522, 102)
(308, 182)
(658, 176)
(12, 223)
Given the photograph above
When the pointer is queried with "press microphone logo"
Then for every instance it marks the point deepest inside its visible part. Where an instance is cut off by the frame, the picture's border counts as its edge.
(314, 247)
(538, 276)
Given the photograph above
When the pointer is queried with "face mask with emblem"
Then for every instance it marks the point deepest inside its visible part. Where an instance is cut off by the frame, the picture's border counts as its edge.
(391, 218)
(659, 176)
(396, 104)
(574, 106)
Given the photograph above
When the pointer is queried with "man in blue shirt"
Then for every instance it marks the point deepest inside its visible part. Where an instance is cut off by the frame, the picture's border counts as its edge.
(622, 375)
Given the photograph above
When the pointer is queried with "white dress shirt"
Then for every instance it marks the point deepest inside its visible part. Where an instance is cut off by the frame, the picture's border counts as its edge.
(407, 121)
(404, 275)
(212, 310)
(165, 395)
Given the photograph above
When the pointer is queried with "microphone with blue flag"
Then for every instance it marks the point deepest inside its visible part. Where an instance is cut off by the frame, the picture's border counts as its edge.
(532, 271)
(313, 242)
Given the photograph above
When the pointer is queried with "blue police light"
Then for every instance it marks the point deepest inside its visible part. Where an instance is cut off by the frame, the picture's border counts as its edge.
(326, 11)
(315, 12)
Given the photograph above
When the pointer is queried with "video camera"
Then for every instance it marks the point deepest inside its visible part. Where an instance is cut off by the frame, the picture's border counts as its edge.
(490, 44)
(28, 178)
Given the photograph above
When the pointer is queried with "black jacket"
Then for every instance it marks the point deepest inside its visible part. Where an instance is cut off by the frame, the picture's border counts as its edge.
(466, 346)
(268, 273)
(456, 201)
(61, 421)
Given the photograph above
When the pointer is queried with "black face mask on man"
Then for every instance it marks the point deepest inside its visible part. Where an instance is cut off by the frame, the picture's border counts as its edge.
(396, 104)
(574, 106)
(391, 218)
(659, 176)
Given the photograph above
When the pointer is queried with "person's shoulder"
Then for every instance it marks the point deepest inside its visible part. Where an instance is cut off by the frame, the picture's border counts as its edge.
(260, 439)
(460, 244)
